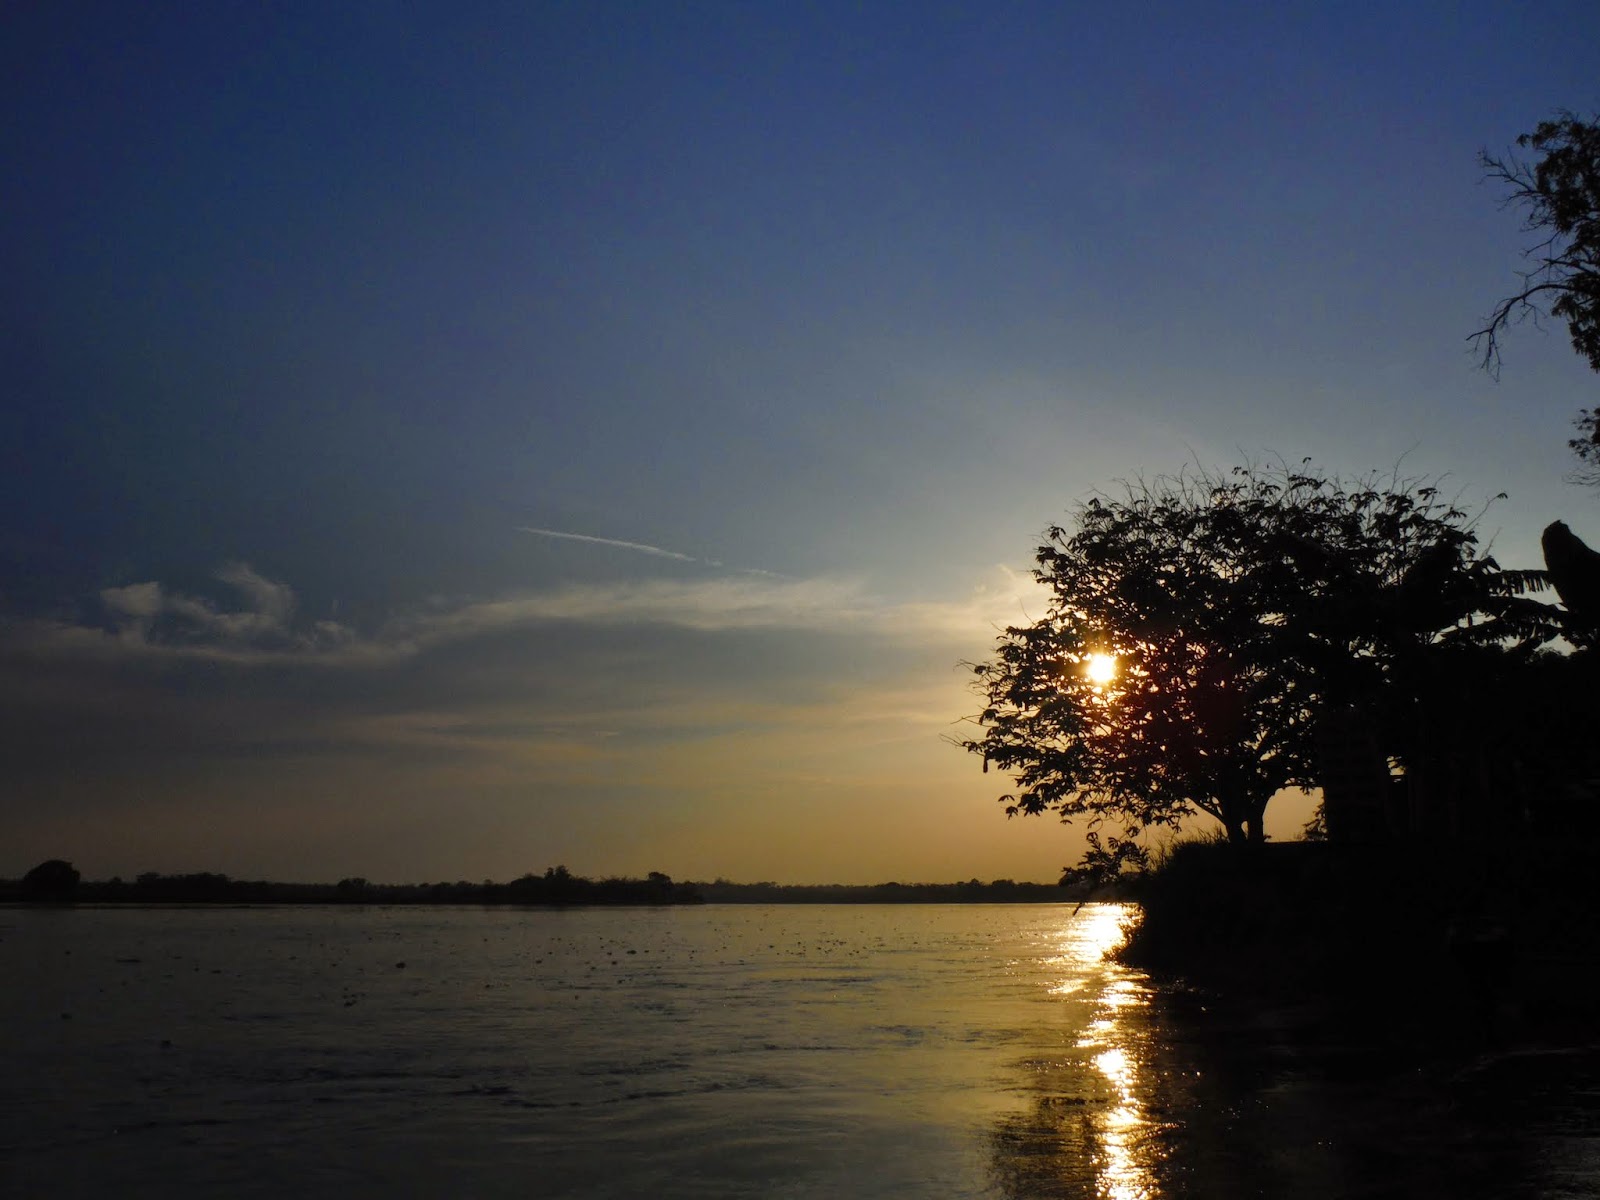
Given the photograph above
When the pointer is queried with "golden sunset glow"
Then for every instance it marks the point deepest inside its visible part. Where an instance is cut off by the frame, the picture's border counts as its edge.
(1101, 669)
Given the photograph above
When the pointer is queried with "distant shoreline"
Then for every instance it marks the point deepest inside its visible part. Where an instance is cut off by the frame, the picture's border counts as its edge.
(556, 888)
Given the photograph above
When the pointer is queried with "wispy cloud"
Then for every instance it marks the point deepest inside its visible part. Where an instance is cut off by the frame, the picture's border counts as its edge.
(820, 605)
(708, 605)
(263, 624)
(145, 615)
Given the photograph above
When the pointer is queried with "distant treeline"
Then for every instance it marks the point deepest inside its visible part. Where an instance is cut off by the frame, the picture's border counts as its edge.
(997, 891)
(557, 886)
(56, 881)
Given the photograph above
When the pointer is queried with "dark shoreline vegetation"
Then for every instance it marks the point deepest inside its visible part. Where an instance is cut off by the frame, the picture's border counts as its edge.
(56, 882)
(1427, 953)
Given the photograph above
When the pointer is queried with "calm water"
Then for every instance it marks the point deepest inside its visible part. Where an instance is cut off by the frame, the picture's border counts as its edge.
(783, 1051)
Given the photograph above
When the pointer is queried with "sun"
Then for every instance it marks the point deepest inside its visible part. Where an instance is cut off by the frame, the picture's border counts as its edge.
(1101, 669)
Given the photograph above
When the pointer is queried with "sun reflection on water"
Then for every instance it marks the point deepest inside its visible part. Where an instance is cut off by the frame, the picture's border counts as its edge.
(1123, 1167)
(1093, 1123)
(1122, 1175)
(1102, 929)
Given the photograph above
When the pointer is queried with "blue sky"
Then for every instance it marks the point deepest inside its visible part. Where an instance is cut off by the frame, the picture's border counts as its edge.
(315, 314)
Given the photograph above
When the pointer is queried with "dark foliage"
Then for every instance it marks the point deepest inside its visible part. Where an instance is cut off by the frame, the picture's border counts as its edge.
(1238, 607)
(53, 880)
(1483, 942)
(1575, 573)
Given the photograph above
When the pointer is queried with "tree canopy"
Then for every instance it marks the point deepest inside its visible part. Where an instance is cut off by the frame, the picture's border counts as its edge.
(1559, 195)
(1238, 609)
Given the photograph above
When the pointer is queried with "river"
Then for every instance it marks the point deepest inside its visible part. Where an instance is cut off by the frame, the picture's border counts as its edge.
(715, 1051)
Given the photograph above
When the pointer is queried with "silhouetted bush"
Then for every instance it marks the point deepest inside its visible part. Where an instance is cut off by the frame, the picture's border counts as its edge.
(54, 880)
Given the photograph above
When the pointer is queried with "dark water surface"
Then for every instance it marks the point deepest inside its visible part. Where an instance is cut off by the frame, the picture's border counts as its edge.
(764, 1051)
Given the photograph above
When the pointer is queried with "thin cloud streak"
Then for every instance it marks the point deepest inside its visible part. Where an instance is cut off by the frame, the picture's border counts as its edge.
(641, 547)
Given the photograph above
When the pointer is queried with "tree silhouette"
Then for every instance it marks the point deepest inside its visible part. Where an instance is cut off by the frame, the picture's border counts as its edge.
(54, 879)
(1240, 609)
(1559, 195)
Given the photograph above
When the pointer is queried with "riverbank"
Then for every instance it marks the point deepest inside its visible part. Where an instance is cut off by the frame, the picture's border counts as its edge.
(1426, 954)
(1380, 1021)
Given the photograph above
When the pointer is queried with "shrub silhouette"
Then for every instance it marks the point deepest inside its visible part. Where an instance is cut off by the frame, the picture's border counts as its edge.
(54, 879)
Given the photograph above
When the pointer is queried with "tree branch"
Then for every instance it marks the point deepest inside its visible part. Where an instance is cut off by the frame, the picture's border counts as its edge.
(1501, 318)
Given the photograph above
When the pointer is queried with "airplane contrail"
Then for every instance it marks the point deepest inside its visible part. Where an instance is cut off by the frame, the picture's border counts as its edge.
(641, 547)
(645, 548)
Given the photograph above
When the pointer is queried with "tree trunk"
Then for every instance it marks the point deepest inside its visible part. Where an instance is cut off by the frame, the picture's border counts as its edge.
(1235, 816)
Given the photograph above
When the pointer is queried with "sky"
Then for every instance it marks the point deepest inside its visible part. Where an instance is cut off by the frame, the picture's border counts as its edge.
(447, 440)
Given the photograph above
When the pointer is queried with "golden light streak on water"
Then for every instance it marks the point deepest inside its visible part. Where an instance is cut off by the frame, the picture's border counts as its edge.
(1122, 1126)
(1100, 930)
